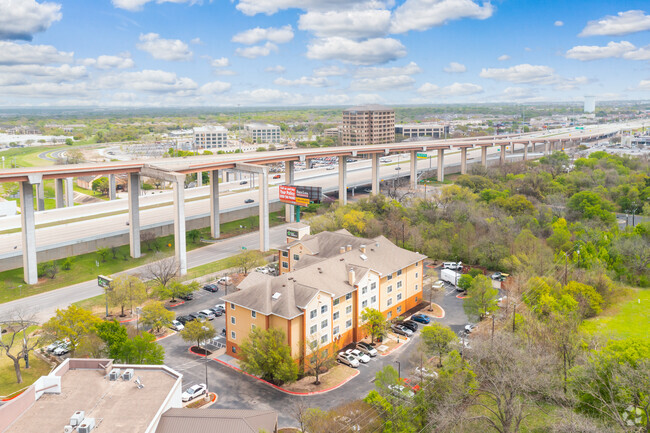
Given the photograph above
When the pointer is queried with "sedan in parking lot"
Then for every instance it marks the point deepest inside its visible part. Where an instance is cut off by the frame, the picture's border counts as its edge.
(184, 319)
(195, 316)
(206, 314)
(348, 360)
(401, 330)
(410, 324)
(187, 297)
(367, 348)
(361, 357)
(211, 288)
(194, 391)
(421, 318)
(424, 373)
(176, 325)
(216, 312)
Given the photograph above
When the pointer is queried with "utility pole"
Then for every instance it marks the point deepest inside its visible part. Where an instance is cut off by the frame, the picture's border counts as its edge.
(493, 327)
(399, 370)
(514, 314)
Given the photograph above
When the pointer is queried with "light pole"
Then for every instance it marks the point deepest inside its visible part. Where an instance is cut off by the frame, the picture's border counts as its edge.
(399, 369)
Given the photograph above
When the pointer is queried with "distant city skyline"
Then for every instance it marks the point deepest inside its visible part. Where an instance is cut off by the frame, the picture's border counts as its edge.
(133, 53)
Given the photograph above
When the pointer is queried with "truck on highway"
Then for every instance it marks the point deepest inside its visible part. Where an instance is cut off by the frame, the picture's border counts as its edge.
(450, 276)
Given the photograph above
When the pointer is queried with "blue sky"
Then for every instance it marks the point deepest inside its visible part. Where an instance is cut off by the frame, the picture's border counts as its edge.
(316, 52)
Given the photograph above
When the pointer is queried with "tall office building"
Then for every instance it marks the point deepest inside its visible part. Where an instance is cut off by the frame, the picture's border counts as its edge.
(590, 104)
(262, 132)
(368, 124)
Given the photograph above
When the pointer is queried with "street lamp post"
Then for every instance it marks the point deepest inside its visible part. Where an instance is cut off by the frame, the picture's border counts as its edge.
(399, 369)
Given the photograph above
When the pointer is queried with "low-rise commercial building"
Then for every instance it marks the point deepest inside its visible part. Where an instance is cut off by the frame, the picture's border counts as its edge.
(262, 132)
(368, 124)
(414, 130)
(326, 281)
(210, 137)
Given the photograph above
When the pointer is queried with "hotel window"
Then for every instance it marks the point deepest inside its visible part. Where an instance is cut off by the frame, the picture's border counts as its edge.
(296, 257)
(389, 289)
(232, 306)
(416, 275)
(285, 253)
(323, 324)
(233, 335)
(348, 324)
(336, 301)
(389, 277)
(416, 299)
(335, 316)
(323, 309)
(373, 300)
(364, 290)
(399, 296)
(252, 326)
(335, 331)
(313, 313)
(323, 339)
(285, 265)
(389, 302)
(399, 272)
(232, 319)
(313, 329)
(416, 287)
(348, 309)
(234, 349)
(364, 304)
(348, 296)
(373, 286)
(399, 284)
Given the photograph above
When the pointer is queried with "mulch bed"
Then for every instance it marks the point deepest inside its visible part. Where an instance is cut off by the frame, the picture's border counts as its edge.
(200, 351)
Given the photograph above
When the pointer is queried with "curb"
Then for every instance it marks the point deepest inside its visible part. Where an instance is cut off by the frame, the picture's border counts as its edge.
(462, 297)
(406, 340)
(128, 320)
(194, 353)
(357, 372)
(176, 304)
(162, 338)
(441, 309)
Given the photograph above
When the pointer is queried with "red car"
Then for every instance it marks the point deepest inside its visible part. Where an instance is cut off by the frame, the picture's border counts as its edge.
(277, 176)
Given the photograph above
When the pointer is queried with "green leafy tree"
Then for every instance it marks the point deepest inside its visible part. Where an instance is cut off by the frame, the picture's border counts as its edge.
(125, 290)
(437, 339)
(69, 141)
(198, 331)
(73, 323)
(156, 315)
(590, 302)
(177, 289)
(114, 335)
(465, 281)
(101, 185)
(374, 323)
(589, 205)
(248, 260)
(266, 354)
(193, 236)
(482, 298)
(142, 349)
(103, 253)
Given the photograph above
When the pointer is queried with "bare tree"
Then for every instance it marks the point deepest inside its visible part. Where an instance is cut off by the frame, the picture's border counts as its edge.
(319, 358)
(161, 270)
(16, 329)
(299, 413)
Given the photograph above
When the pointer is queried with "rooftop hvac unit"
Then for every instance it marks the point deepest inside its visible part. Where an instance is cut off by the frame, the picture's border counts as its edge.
(128, 374)
(86, 426)
(77, 417)
(114, 374)
(68, 429)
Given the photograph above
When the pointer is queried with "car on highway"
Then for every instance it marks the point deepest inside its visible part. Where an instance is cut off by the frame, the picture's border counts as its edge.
(211, 288)
(194, 391)
(384, 160)
(367, 348)
(206, 314)
(249, 200)
(330, 167)
(398, 168)
(361, 357)
(187, 297)
(401, 330)
(349, 360)
(243, 182)
(175, 325)
(277, 176)
(421, 318)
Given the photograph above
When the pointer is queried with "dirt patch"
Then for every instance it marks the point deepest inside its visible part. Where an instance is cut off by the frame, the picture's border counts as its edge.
(435, 314)
(200, 351)
(335, 376)
(390, 343)
(201, 402)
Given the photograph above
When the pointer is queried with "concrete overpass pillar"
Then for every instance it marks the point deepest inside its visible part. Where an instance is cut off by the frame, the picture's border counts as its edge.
(502, 156)
(30, 266)
(546, 147)
(289, 179)
(40, 196)
(179, 226)
(69, 192)
(512, 147)
(134, 214)
(374, 173)
(526, 151)
(484, 156)
(215, 223)
(441, 165)
(111, 187)
(199, 178)
(264, 210)
(343, 180)
(58, 193)
(463, 160)
(414, 170)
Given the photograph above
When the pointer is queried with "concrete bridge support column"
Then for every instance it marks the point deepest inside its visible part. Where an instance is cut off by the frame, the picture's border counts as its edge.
(502, 156)
(69, 192)
(441, 165)
(526, 151)
(264, 210)
(179, 225)
(463, 160)
(30, 265)
(215, 223)
(512, 147)
(199, 178)
(289, 178)
(58, 193)
(134, 214)
(111, 187)
(484, 156)
(547, 146)
(414, 170)
(40, 196)
(343, 180)
(374, 172)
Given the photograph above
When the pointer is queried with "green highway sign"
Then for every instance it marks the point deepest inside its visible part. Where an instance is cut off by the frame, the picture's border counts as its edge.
(103, 281)
(422, 155)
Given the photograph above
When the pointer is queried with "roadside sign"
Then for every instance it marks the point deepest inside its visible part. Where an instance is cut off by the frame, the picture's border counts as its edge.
(422, 155)
(103, 281)
(292, 233)
(299, 195)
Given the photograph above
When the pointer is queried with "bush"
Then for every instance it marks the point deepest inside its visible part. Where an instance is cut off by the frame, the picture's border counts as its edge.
(66, 265)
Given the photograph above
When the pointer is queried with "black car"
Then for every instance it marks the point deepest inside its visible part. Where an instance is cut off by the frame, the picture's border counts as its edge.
(410, 324)
(187, 297)
(217, 312)
(195, 316)
(249, 200)
(184, 319)
(211, 288)
(243, 182)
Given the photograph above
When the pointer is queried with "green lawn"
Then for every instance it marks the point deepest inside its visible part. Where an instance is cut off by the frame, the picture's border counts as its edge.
(37, 368)
(28, 156)
(89, 192)
(626, 319)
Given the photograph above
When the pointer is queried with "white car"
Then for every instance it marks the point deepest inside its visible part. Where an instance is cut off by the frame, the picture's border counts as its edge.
(224, 280)
(176, 325)
(348, 360)
(361, 357)
(62, 349)
(423, 372)
(194, 391)
(330, 167)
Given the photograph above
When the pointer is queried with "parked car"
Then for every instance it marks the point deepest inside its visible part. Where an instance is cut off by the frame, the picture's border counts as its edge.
(470, 327)
(194, 391)
(206, 314)
(438, 285)
(211, 288)
(348, 360)
(187, 297)
(216, 312)
(425, 373)
(452, 265)
(195, 316)
(361, 357)
(367, 349)
(50, 348)
(249, 200)
(184, 319)
(221, 307)
(421, 318)
(224, 281)
(176, 325)
(401, 330)
(410, 324)
(401, 391)
(62, 349)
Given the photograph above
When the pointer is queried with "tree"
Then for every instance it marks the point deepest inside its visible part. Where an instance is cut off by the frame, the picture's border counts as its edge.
(16, 333)
(142, 349)
(69, 141)
(198, 330)
(125, 290)
(49, 269)
(465, 282)
(319, 359)
(177, 289)
(161, 270)
(114, 335)
(266, 354)
(437, 339)
(73, 324)
(103, 253)
(156, 315)
(482, 298)
(247, 260)
(193, 236)
(374, 323)
(101, 185)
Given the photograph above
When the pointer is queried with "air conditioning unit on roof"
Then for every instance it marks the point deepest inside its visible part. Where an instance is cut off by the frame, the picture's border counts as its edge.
(77, 417)
(114, 374)
(128, 374)
(86, 426)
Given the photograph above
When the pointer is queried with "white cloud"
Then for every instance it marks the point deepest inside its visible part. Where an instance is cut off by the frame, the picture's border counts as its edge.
(256, 51)
(456, 89)
(20, 19)
(351, 24)
(258, 34)
(330, 71)
(121, 61)
(455, 68)
(215, 87)
(622, 24)
(518, 93)
(136, 5)
(12, 53)
(55, 74)
(424, 14)
(410, 69)
(368, 52)
(303, 81)
(503, 58)
(266, 96)
(558, 23)
(277, 69)
(164, 49)
(196, 41)
(524, 73)
(269, 7)
(367, 98)
(220, 63)
(391, 82)
(153, 81)
(644, 85)
(623, 49)
(46, 90)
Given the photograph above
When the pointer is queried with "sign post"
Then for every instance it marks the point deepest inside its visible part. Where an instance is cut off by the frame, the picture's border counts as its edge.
(105, 282)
